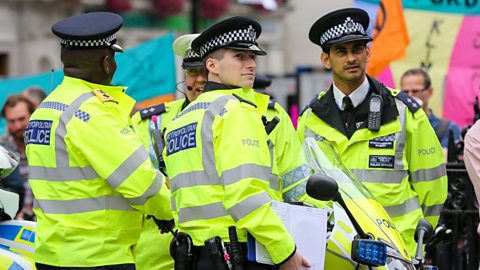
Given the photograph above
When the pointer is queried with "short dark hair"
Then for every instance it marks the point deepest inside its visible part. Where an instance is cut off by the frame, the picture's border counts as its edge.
(35, 93)
(15, 99)
(427, 82)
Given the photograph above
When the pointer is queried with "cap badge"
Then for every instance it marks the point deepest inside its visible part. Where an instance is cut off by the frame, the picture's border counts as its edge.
(349, 25)
(251, 32)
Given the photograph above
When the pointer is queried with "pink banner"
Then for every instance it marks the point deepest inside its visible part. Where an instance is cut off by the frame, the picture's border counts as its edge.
(463, 77)
(386, 77)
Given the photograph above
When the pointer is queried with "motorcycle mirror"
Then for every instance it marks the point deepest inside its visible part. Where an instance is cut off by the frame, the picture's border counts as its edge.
(425, 227)
(322, 187)
(423, 233)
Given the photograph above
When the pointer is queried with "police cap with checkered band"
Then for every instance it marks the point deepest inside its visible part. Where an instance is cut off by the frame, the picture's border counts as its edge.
(89, 30)
(340, 26)
(238, 32)
(182, 46)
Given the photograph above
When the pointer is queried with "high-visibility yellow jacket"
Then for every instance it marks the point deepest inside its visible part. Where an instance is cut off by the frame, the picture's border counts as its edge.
(402, 164)
(292, 168)
(220, 170)
(152, 250)
(91, 177)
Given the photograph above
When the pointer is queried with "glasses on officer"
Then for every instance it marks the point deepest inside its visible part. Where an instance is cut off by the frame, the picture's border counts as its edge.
(413, 92)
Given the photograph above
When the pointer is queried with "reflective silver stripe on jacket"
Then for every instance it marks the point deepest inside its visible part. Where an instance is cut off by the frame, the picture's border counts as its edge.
(250, 204)
(246, 171)
(379, 176)
(152, 190)
(208, 211)
(62, 174)
(431, 174)
(83, 205)
(406, 207)
(400, 136)
(432, 211)
(274, 180)
(129, 166)
(189, 179)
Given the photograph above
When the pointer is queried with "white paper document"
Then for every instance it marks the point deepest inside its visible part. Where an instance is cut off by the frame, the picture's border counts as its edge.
(308, 227)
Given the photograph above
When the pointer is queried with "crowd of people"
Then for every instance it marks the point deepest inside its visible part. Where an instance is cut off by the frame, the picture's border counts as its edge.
(104, 183)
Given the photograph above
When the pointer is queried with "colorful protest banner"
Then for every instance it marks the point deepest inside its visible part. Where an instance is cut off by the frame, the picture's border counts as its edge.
(445, 41)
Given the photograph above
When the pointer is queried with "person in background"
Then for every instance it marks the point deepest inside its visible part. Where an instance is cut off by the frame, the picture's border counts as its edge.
(35, 94)
(152, 250)
(91, 176)
(381, 134)
(17, 111)
(416, 83)
(471, 157)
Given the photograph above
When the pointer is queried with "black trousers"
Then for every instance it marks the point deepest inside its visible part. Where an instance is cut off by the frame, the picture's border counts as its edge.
(204, 261)
(107, 267)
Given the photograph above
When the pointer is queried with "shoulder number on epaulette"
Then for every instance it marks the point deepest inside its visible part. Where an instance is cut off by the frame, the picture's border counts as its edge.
(410, 102)
(152, 110)
(104, 97)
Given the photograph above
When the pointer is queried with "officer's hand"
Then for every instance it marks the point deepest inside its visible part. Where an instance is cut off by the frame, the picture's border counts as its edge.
(164, 226)
(295, 262)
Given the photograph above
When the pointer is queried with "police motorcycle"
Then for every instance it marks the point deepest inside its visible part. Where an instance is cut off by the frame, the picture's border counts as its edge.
(360, 234)
(16, 236)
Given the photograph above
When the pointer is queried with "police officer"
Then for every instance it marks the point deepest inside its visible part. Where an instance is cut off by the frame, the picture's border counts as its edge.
(217, 155)
(381, 134)
(90, 174)
(152, 250)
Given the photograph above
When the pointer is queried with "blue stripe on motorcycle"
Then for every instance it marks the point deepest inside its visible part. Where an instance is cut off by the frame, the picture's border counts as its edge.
(15, 266)
(9, 232)
(28, 235)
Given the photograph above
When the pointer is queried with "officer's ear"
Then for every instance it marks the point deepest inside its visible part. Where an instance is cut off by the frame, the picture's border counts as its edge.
(106, 64)
(324, 57)
(212, 65)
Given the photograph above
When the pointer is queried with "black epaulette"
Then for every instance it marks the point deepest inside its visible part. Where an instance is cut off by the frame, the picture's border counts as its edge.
(410, 102)
(152, 110)
(271, 103)
(244, 100)
(309, 104)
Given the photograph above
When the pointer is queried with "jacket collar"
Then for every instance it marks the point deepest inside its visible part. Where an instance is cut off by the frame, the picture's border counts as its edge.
(212, 86)
(116, 92)
(326, 109)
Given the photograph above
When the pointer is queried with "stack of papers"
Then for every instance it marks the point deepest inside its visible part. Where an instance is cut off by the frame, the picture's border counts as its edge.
(307, 226)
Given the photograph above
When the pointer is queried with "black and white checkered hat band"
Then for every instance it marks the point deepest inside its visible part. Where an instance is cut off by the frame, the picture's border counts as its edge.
(339, 30)
(247, 35)
(191, 55)
(103, 42)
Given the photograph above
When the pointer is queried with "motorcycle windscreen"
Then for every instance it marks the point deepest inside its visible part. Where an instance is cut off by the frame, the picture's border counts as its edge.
(371, 216)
